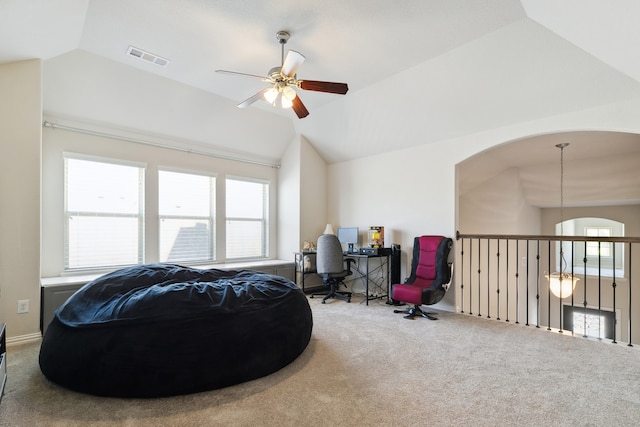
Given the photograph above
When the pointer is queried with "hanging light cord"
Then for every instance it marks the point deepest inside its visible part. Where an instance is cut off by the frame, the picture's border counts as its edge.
(561, 191)
(562, 260)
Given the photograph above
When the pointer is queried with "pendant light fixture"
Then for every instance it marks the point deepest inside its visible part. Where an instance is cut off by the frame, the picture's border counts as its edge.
(562, 283)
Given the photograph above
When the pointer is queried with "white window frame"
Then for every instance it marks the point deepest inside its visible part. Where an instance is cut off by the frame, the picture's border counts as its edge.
(211, 219)
(263, 220)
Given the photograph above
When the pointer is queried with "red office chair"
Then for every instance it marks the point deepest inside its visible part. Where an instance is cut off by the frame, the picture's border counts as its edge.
(430, 276)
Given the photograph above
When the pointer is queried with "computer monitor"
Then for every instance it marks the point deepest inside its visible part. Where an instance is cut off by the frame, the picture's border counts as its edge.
(348, 236)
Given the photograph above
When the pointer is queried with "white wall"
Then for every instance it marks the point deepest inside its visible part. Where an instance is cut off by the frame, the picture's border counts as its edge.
(289, 201)
(497, 206)
(313, 193)
(20, 133)
(303, 197)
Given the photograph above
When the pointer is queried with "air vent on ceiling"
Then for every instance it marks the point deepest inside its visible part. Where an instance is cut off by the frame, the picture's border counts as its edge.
(146, 56)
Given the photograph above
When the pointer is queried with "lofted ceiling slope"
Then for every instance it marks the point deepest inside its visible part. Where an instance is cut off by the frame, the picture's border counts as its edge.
(418, 71)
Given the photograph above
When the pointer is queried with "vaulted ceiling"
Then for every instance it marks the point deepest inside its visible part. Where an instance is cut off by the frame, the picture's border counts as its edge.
(418, 71)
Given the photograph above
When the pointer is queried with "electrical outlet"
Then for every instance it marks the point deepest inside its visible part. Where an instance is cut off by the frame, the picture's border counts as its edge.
(23, 306)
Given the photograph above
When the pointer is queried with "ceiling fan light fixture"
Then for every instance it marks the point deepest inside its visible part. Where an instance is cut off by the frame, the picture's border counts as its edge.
(286, 102)
(289, 93)
(271, 95)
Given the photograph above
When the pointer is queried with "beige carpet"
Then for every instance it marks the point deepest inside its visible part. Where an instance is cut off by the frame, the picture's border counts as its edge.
(367, 366)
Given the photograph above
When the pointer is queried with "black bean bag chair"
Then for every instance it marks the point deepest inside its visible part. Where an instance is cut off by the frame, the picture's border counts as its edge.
(163, 330)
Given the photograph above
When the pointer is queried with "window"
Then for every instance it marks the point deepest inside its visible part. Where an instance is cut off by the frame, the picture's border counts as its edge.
(247, 230)
(596, 257)
(187, 217)
(598, 248)
(104, 222)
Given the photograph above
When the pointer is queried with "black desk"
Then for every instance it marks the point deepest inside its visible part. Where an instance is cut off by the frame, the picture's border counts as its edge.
(365, 274)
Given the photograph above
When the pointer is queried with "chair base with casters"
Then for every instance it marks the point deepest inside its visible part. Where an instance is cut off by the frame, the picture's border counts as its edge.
(417, 311)
(430, 277)
(419, 296)
(333, 292)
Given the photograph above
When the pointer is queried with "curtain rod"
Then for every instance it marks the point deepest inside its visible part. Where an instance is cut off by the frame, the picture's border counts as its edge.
(47, 124)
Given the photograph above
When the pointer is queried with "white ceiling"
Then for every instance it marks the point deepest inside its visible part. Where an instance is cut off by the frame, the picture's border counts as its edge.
(600, 168)
(418, 71)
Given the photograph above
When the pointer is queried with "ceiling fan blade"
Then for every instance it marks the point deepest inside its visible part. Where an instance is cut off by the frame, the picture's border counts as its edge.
(235, 73)
(299, 108)
(318, 86)
(291, 63)
(254, 98)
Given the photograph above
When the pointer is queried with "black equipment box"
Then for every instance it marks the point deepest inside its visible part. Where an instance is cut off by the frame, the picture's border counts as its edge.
(375, 251)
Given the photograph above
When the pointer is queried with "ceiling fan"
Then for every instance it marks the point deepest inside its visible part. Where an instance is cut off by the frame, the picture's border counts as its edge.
(283, 81)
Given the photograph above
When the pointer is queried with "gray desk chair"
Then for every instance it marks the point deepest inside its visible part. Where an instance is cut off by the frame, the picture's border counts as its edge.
(330, 265)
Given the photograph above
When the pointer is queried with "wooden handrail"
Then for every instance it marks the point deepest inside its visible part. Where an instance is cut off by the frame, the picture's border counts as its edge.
(548, 237)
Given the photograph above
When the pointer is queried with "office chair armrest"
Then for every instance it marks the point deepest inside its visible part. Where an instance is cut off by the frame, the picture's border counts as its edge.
(349, 261)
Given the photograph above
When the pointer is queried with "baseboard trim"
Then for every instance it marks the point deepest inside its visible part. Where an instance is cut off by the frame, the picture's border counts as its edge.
(24, 339)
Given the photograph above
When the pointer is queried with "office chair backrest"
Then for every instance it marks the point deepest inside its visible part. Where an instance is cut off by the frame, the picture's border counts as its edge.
(329, 255)
(430, 261)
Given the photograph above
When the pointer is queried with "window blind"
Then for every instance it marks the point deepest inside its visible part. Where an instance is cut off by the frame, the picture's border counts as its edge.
(187, 217)
(247, 214)
(104, 215)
